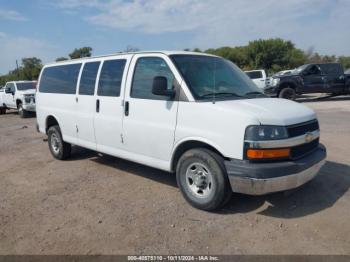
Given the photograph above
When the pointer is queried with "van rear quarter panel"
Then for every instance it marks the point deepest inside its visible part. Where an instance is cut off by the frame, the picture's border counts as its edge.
(60, 106)
(206, 122)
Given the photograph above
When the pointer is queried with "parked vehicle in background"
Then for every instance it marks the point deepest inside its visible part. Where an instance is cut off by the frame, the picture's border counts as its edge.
(310, 78)
(258, 76)
(18, 95)
(194, 114)
(284, 72)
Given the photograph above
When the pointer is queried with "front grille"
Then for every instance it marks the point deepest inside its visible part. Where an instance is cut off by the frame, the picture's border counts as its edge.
(301, 129)
(304, 149)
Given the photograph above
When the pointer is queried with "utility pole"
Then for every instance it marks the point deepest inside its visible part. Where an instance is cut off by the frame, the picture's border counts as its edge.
(17, 69)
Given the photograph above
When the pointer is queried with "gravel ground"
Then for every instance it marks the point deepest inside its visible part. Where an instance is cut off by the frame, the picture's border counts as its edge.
(93, 204)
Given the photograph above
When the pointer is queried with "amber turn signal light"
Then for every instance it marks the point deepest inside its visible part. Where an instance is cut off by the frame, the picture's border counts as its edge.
(267, 153)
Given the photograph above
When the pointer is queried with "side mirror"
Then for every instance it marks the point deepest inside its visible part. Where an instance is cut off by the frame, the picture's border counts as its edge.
(8, 90)
(160, 87)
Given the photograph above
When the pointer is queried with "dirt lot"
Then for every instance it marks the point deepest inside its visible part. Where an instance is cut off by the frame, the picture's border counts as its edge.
(103, 205)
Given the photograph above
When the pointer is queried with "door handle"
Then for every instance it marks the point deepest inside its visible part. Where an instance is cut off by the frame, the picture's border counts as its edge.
(126, 108)
(98, 105)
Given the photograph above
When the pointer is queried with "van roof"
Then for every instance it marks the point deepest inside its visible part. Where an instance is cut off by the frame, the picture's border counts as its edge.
(131, 53)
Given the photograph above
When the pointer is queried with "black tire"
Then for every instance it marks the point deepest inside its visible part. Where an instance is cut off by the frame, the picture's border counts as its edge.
(218, 190)
(22, 113)
(2, 111)
(58, 148)
(287, 93)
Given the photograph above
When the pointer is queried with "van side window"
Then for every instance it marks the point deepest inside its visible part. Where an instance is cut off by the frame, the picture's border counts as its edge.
(60, 79)
(111, 77)
(145, 70)
(88, 78)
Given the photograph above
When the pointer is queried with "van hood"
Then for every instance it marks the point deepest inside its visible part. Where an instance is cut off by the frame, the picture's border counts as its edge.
(270, 111)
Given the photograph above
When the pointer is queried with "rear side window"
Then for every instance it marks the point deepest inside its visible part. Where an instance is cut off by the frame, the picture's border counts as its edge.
(60, 79)
(111, 77)
(254, 74)
(145, 70)
(88, 78)
(331, 69)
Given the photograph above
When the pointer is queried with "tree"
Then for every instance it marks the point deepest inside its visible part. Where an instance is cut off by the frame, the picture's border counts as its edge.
(31, 68)
(345, 61)
(61, 59)
(197, 50)
(28, 70)
(274, 54)
(131, 48)
(81, 52)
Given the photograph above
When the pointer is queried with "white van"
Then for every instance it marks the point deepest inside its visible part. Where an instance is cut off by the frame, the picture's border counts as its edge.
(194, 114)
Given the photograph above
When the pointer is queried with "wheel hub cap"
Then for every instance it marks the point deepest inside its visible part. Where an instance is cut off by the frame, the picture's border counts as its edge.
(55, 144)
(199, 180)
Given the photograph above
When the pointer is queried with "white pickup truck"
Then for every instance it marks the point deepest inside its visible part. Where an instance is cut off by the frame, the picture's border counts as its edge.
(18, 95)
(258, 76)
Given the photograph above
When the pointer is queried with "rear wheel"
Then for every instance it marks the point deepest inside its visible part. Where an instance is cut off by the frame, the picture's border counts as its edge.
(202, 179)
(287, 93)
(59, 149)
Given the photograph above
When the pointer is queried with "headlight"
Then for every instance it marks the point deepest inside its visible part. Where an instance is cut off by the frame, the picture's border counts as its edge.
(28, 98)
(258, 133)
(275, 81)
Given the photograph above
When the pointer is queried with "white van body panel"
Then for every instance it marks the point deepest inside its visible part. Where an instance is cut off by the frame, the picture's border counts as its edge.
(85, 114)
(108, 122)
(63, 108)
(270, 111)
(149, 129)
(216, 125)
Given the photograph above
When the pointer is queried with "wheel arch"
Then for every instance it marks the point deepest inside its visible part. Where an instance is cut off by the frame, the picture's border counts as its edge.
(18, 101)
(190, 143)
(51, 120)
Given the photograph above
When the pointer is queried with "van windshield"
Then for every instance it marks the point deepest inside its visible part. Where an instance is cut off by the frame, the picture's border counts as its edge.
(25, 86)
(210, 77)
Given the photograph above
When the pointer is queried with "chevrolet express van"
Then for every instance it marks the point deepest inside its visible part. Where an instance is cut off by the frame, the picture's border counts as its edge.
(194, 114)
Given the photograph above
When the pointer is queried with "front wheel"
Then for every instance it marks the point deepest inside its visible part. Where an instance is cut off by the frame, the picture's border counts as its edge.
(202, 179)
(59, 149)
(287, 93)
(2, 111)
(22, 113)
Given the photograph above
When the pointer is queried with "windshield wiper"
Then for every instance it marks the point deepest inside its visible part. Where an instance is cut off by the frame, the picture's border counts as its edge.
(255, 93)
(220, 94)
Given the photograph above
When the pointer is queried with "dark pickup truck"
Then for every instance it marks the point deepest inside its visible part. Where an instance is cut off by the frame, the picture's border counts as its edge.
(311, 78)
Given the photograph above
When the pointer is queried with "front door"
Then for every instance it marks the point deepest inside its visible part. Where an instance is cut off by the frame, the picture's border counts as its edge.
(150, 120)
(9, 97)
(108, 105)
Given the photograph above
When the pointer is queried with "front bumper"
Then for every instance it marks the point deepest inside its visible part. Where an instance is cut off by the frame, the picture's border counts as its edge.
(271, 90)
(29, 107)
(263, 178)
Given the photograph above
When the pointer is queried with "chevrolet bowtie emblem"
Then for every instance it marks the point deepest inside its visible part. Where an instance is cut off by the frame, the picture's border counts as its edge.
(309, 137)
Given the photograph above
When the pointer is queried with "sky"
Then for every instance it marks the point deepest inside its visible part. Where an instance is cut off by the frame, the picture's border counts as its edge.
(49, 29)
